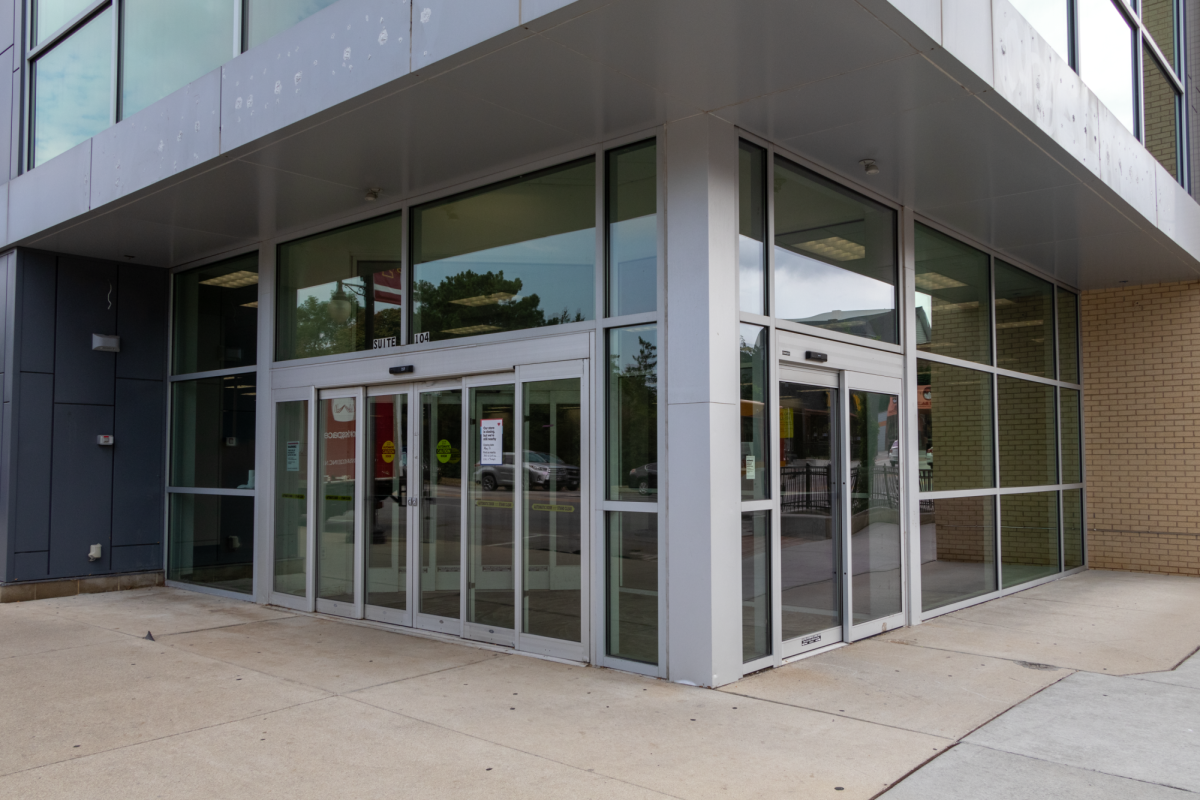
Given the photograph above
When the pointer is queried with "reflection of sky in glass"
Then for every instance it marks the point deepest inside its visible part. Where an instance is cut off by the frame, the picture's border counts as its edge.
(750, 277)
(73, 90)
(165, 46)
(1106, 57)
(925, 301)
(634, 268)
(559, 269)
(53, 14)
(265, 18)
(1048, 18)
(805, 287)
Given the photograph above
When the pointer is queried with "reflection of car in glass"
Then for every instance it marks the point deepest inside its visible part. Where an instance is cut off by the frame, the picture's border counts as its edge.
(644, 478)
(540, 469)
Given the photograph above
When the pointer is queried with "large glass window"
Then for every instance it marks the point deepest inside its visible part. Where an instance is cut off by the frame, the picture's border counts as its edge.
(291, 497)
(633, 229)
(953, 298)
(1068, 336)
(632, 589)
(1072, 436)
(1024, 322)
(167, 45)
(1106, 57)
(958, 550)
(341, 291)
(50, 15)
(1161, 107)
(212, 541)
(72, 89)
(954, 411)
(1028, 451)
(755, 463)
(833, 248)
(633, 413)
(1073, 555)
(1028, 537)
(216, 316)
(1159, 17)
(752, 228)
(1051, 19)
(520, 254)
(756, 585)
(212, 432)
(265, 18)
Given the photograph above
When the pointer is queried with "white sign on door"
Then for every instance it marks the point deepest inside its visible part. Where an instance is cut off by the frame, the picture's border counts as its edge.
(491, 442)
(293, 456)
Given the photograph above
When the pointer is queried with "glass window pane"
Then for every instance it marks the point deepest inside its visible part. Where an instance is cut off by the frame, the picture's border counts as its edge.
(342, 291)
(833, 248)
(958, 550)
(875, 505)
(954, 411)
(212, 541)
(212, 432)
(1072, 439)
(633, 413)
(50, 15)
(756, 584)
(632, 587)
(265, 18)
(491, 544)
(553, 509)
(1073, 553)
(336, 498)
(165, 46)
(1024, 322)
(291, 497)
(752, 228)
(1106, 58)
(1068, 336)
(72, 90)
(1159, 18)
(387, 525)
(216, 316)
(1049, 18)
(754, 466)
(441, 503)
(1028, 537)
(633, 229)
(953, 298)
(520, 254)
(1028, 446)
(809, 548)
(1161, 106)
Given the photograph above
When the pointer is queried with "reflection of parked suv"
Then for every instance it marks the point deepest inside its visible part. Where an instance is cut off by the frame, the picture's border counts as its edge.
(644, 478)
(540, 469)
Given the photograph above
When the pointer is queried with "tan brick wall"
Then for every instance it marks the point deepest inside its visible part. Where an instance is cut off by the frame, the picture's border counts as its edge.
(1141, 366)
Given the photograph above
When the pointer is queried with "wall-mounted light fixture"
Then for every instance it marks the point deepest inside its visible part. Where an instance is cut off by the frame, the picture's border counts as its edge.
(105, 343)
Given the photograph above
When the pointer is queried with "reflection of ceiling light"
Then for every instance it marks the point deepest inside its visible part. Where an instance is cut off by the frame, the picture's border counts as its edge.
(233, 280)
(250, 305)
(836, 248)
(485, 299)
(929, 281)
(470, 329)
(241, 386)
(970, 305)
(249, 394)
(1024, 323)
(1004, 301)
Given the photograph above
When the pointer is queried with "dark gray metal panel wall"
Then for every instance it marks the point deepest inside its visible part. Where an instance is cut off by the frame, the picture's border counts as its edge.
(87, 304)
(31, 470)
(35, 311)
(82, 490)
(142, 322)
(138, 463)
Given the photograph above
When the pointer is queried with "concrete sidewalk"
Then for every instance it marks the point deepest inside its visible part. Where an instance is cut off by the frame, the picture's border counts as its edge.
(234, 700)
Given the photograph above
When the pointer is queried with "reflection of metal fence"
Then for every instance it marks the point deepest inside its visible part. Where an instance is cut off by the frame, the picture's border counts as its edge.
(926, 481)
(805, 487)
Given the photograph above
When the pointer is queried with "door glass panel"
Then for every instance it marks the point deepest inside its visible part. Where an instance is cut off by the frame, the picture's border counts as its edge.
(291, 497)
(756, 585)
(875, 505)
(441, 502)
(810, 550)
(490, 542)
(336, 500)
(632, 591)
(387, 518)
(553, 509)
(72, 89)
(753, 464)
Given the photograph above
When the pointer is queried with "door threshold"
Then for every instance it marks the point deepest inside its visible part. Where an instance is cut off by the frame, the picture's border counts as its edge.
(434, 635)
(811, 653)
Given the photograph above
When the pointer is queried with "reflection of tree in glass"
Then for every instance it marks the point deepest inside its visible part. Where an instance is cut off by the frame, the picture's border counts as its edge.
(438, 313)
(637, 384)
(317, 334)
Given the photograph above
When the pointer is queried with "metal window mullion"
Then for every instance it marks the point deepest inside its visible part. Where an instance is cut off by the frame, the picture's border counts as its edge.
(995, 423)
(34, 50)
(842, 437)
(114, 105)
(663, 359)
(315, 485)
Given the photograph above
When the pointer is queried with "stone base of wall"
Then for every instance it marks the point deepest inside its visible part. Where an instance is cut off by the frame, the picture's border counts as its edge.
(1144, 551)
(44, 590)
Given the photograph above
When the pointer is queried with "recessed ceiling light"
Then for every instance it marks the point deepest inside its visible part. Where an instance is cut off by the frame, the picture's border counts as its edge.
(836, 248)
(932, 281)
(485, 299)
(250, 305)
(233, 280)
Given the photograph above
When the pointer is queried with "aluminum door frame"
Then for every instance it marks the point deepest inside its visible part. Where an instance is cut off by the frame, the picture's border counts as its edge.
(352, 610)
